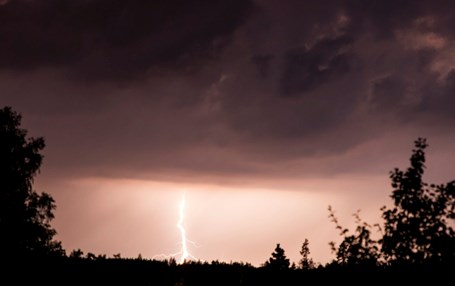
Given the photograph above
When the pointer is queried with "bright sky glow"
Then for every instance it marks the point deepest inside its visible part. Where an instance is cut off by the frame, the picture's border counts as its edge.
(228, 223)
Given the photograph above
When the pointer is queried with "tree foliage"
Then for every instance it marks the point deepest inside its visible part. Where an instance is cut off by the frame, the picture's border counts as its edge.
(25, 215)
(417, 228)
(278, 261)
(358, 248)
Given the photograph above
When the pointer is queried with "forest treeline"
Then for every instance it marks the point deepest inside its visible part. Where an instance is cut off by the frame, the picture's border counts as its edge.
(416, 236)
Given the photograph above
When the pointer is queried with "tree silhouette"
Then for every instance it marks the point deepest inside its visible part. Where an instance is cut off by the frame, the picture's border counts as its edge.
(417, 228)
(306, 262)
(358, 248)
(25, 215)
(77, 254)
(278, 260)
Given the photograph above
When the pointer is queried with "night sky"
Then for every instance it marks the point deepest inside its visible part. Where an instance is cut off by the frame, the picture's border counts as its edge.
(264, 112)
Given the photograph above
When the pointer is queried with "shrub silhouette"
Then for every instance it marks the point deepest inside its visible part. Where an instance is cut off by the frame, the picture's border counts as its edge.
(25, 215)
(358, 248)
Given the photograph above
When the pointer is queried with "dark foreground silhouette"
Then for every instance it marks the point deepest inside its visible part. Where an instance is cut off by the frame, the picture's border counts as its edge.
(70, 271)
(417, 243)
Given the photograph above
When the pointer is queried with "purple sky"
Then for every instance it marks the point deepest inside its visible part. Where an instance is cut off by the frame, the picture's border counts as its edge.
(265, 112)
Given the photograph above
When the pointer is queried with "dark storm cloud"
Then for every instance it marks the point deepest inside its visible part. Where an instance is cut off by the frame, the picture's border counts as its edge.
(262, 63)
(382, 18)
(439, 100)
(229, 87)
(103, 39)
(388, 92)
(307, 68)
(355, 70)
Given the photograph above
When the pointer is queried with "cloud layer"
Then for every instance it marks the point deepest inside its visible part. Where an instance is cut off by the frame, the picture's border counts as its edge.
(228, 88)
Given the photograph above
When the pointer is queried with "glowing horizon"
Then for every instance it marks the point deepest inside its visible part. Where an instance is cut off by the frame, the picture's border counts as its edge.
(231, 223)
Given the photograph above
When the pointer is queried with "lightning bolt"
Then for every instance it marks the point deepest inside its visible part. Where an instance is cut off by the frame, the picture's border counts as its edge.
(184, 251)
